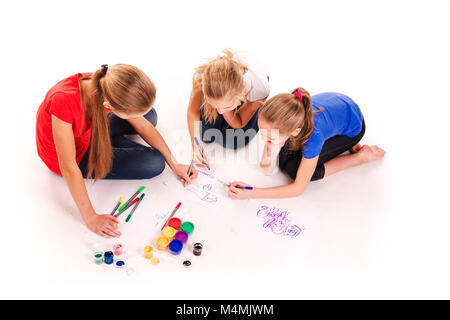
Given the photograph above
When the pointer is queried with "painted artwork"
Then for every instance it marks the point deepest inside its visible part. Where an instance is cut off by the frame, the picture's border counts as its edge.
(278, 221)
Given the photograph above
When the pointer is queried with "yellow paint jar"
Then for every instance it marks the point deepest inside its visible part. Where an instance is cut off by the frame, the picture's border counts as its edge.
(162, 243)
(148, 252)
(169, 232)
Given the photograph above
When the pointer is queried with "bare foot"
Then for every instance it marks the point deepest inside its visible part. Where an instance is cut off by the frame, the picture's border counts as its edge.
(355, 148)
(370, 153)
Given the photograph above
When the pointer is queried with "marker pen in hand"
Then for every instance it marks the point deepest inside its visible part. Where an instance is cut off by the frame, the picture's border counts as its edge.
(202, 152)
(244, 187)
(239, 187)
(190, 168)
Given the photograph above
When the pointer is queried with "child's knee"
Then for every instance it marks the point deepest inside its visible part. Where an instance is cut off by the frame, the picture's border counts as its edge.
(160, 165)
(155, 165)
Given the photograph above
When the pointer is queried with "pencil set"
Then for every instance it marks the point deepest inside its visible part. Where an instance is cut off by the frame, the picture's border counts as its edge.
(133, 201)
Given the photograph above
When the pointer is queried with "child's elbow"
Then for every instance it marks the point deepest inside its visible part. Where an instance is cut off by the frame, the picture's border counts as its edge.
(298, 193)
(297, 190)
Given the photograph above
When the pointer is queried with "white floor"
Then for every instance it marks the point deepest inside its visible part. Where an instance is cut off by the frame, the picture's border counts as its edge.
(375, 231)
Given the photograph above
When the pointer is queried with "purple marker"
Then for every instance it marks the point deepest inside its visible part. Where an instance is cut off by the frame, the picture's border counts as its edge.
(244, 187)
(202, 151)
(239, 187)
(182, 236)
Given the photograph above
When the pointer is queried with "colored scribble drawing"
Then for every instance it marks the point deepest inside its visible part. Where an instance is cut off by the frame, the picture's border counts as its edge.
(203, 192)
(293, 231)
(209, 197)
(212, 176)
(278, 222)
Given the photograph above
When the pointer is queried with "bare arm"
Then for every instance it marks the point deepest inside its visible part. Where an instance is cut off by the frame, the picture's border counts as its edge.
(304, 174)
(194, 126)
(269, 158)
(193, 113)
(65, 149)
(240, 118)
(152, 136)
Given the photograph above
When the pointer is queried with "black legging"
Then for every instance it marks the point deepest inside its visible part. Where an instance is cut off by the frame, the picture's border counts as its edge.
(289, 161)
(217, 132)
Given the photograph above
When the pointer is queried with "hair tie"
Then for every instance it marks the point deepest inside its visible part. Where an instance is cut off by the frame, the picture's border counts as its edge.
(104, 68)
(299, 95)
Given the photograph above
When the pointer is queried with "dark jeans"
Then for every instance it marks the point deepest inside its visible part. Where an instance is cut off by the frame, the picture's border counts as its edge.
(289, 161)
(131, 160)
(231, 138)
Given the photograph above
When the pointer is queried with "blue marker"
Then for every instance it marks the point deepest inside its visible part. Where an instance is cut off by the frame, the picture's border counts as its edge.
(201, 151)
(244, 187)
(239, 187)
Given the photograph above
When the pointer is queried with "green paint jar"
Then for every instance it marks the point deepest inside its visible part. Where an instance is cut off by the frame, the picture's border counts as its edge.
(187, 226)
(98, 258)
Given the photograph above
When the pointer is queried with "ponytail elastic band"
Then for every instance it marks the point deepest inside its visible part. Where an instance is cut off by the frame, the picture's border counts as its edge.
(299, 95)
(104, 68)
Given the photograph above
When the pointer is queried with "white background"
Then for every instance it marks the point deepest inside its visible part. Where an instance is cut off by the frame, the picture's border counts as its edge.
(381, 229)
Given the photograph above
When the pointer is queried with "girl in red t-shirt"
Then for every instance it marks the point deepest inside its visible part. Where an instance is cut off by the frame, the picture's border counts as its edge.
(77, 137)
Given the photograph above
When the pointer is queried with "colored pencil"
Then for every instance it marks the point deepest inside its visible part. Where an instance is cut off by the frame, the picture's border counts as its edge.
(117, 205)
(202, 152)
(239, 187)
(135, 207)
(133, 196)
(124, 208)
(244, 187)
(190, 168)
(171, 215)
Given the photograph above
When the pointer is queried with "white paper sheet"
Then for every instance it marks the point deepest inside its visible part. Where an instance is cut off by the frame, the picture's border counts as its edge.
(207, 190)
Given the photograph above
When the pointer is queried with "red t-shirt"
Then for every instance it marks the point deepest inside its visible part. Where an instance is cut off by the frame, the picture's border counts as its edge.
(64, 102)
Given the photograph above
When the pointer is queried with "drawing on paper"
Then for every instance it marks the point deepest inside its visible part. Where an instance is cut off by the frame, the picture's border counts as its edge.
(278, 221)
(204, 192)
(207, 189)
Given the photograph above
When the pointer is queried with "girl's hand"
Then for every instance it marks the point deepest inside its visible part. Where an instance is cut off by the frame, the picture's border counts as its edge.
(239, 193)
(181, 171)
(199, 160)
(104, 225)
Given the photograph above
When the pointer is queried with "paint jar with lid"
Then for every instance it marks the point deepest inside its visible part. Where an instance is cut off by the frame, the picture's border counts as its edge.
(98, 257)
(175, 247)
(162, 243)
(148, 252)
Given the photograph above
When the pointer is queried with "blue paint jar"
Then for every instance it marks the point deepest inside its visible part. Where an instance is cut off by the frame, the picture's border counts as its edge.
(108, 257)
(175, 246)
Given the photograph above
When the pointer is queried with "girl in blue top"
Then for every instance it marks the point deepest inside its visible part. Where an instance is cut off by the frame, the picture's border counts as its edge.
(308, 134)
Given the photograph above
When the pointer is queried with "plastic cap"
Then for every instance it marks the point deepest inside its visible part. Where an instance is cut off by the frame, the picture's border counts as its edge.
(175, 246)
(169, 232)
(187, 226)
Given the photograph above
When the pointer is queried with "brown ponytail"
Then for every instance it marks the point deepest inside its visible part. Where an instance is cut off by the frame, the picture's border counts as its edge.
(288, 112)
(100, 156)
(128, 90)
